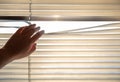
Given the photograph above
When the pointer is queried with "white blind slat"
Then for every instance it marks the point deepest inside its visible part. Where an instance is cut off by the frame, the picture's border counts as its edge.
(13, 1)
(65, 1)
(77, 1)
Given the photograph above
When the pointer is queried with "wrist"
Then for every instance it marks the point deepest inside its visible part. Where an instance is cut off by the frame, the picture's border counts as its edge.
(4, 57)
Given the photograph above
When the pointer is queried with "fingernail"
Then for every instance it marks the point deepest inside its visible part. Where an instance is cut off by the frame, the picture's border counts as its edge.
(38, 28)
(41, 32)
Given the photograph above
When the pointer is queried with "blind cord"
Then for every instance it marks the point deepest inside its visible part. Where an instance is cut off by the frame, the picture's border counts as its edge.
(29, 58)
(29, 69)
(30, 12)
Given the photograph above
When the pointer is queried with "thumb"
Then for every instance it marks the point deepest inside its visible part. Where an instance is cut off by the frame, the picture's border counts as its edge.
(33, 48)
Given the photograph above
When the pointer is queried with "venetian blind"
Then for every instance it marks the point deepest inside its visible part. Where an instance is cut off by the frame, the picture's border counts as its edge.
(70, 57)
(67, 57)
(66, 9)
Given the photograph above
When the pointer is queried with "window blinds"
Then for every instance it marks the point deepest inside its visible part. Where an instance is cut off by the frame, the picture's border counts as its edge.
(66, 9)
(69, 57)
(87, 57)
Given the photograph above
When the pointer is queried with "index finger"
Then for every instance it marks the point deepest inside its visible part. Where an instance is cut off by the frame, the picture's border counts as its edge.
(27, 28)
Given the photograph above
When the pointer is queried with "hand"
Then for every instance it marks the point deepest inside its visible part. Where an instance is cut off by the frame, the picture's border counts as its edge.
(22, 43)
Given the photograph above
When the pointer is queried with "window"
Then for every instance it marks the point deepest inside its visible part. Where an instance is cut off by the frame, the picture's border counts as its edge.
(85, 47)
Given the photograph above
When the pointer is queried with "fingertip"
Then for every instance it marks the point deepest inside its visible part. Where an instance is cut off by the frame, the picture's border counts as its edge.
(32, 25)
(37, 28)
(37, 36)
(42, 31)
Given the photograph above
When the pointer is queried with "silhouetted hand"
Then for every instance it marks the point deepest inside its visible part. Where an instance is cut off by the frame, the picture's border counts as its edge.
(22, 43)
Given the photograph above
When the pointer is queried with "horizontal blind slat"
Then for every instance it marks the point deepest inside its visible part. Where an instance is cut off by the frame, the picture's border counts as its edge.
(77, 13)
(64, 13)
(13, 1)
(72, 36)
(75, 80)
(65, 1)
(8, 7)
(74, 7)
(59, 7)
(77, 1)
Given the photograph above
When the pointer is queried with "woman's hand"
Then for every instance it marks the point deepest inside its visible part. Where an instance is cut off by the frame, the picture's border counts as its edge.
(22, 43)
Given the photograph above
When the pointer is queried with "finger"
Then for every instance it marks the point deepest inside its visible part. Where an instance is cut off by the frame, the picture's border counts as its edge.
(36, 36)
(32, 31)
(19, 31)
(27, 28)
